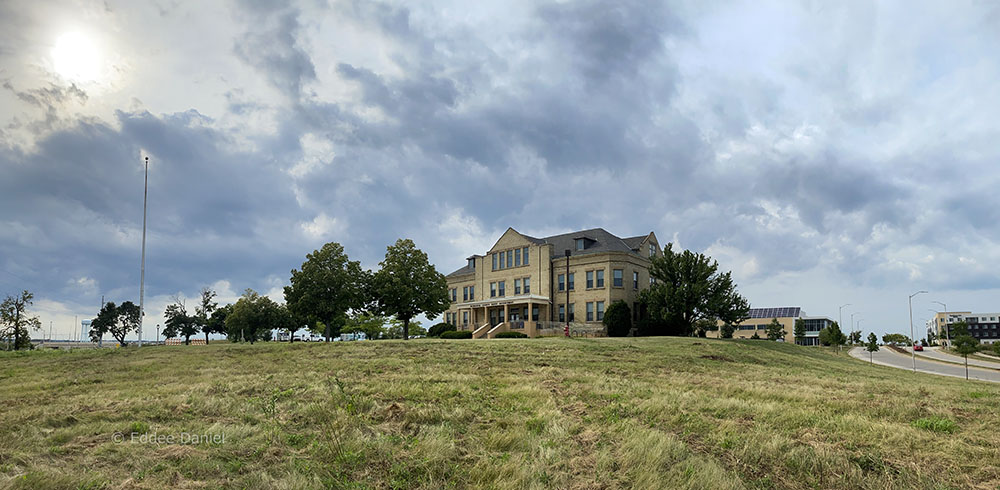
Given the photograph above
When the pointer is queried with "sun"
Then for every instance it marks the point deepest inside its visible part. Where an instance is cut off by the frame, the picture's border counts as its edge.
(76, 58)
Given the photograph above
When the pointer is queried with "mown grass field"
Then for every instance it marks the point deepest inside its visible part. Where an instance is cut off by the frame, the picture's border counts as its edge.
(537, 413)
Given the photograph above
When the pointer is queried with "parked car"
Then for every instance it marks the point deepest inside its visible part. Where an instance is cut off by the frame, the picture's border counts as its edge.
(918, 347)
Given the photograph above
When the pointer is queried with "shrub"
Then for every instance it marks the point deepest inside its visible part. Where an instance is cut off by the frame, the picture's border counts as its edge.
(618, 319)
(439, 329)
(451, 334)
(936, 424)
(510, 335)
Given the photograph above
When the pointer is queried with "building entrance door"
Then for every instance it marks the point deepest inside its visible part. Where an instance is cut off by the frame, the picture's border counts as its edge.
(493, 317)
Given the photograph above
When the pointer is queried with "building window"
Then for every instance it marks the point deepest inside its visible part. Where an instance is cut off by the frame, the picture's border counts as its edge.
(465, 293)
(652, 280)
(503, 256)
(494, 261)
(580, 243)
(527, 285)
(590, 311)
(454, 294)
(571, 316)
(525, 253)
(572, 281)
(517, 257)
(517, 286)
(562, 282)
(472, 293)
(635, 279)
(493, 289)
(635, 311)
(472, 262)
(652, 250)
(500, 286)
(562, 313)
(600, 310)
(618, 278)
(590, 279)
(465, 318)
(447, 317)
(510, 260)
(534, 313)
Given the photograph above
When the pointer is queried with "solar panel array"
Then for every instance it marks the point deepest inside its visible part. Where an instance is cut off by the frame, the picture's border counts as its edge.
(791, 311)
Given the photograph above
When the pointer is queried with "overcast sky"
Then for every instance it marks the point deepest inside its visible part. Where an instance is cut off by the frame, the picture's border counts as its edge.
(825, 152)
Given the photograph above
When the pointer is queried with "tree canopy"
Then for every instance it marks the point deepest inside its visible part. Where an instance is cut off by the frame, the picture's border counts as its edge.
(965, 345)
(178, 323)
(15, 322)
(775, 330)
(688, 289)
(618, 319)
(326, 289)
(832, 335)
(253, 316)
(203, 313)
(872, 346)
(408, 285)
(800, 331)
(119, 321)
(895, 338)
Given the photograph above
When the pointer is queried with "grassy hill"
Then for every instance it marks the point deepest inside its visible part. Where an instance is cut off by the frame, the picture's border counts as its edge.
(537, 413)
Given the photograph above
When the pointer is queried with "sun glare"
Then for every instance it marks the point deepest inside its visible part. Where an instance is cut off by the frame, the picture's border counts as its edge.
(76, 58)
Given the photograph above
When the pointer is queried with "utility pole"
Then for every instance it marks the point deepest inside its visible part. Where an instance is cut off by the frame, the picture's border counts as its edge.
(142, 267)
(567, 292)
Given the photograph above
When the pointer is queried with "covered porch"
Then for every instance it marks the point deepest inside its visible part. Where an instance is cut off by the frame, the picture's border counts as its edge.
(488, 317)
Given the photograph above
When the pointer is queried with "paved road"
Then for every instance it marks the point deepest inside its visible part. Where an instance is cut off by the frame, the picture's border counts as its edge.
(934, 353)
(888, 357)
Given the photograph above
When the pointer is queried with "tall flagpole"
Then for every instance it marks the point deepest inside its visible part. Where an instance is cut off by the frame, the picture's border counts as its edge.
(142, 268)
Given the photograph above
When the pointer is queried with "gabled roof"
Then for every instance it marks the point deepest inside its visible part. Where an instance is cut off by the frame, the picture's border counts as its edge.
(634, 242)
(468, 269)
(601, 241)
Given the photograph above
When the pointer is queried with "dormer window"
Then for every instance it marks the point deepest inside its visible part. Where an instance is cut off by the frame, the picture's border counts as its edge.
(581, 243)
(472, 262)
(652, 250)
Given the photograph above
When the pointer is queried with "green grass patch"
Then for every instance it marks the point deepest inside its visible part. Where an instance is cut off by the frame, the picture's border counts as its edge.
(936, 424)
(546, 413)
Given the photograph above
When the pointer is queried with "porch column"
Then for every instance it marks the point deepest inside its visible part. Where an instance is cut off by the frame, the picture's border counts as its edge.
(506, 312)
(529, 321)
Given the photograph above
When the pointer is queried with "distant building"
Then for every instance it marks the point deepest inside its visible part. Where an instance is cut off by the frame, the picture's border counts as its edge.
(85, 331)
(983, 326)
(521, 283)
(760, 318)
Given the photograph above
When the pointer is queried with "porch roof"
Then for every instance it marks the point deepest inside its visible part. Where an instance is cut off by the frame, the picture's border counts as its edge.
(506, 300)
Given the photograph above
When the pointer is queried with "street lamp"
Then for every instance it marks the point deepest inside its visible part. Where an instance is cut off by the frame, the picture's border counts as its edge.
(913, 354)
(142, 267)
(947, 328)
(840, 315)
(567, 292)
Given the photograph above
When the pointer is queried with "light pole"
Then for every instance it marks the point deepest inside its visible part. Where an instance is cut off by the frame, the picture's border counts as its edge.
(840, 315)
(913, 354)
(142, 267)
(947, 328)
(567, 292)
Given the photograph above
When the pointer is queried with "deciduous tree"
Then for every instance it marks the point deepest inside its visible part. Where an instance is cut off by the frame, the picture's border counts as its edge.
(855, 337)
(15, 322)
(252, 317)
(690, 288)
(726, 331)
(872, 347)
(119, 321)
(178, 323)
(965, 345)
(203, 312)
(326, 289)
(832, 335)
(407, 285)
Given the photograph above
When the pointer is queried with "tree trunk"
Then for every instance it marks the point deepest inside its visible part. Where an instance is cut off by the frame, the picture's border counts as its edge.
(206, 338)
(326, 331)
(291, 336)
(966, 367)
(406, 329)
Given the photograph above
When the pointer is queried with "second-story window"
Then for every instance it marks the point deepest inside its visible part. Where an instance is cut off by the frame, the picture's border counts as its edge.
(503, 258)
(618, 278)
(635, 279)
(572, 281)
(500, 287)
(600, 278)
(590, 279)
(510, 259)
(465, 293)
(517, 286)
(472, 293)
(562, 282)
(494, 255)
(517, 257)
(525, 254)
(454, 294)
(527, 285)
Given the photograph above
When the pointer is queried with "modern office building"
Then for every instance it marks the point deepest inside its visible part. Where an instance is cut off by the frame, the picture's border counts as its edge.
(760, 318)
(983, 326)
(521, 283)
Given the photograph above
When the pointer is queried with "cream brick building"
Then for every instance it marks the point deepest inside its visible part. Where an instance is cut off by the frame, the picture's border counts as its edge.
(760, 318)
(521, 283)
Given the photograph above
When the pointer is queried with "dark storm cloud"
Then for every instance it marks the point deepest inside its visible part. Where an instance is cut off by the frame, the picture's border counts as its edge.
(273, 47)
